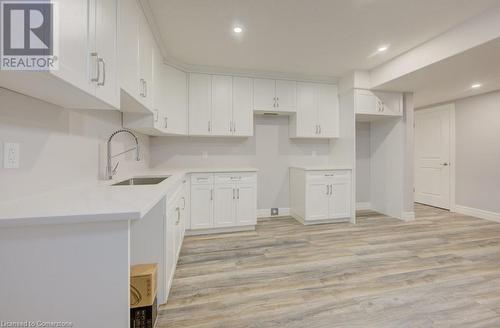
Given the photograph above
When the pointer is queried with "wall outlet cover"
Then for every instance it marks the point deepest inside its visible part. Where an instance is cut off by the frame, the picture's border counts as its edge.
(274, 211)
(11, 155)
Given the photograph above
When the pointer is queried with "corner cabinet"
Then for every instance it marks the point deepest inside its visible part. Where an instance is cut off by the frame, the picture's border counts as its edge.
(222, 201)
(220, 105)
(321, 196)
(87, 60)
(274, 96)
(371, 105)
(318, 113)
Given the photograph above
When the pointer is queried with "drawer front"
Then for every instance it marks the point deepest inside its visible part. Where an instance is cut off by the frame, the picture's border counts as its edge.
(321, 175)
(240, 177)
(202, 178)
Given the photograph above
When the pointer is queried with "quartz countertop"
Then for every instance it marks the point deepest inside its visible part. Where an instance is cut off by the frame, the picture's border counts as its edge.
(99, 201)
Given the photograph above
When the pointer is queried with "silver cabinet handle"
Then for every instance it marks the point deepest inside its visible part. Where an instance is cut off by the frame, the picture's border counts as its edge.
(327, 189)
(101, 61)
(156, 115)
(209, 126)
(166, 121)
(274, 99)
(238, 192)
(211, 194)
(183, 203)
(145, 89)
(178, 210)
(331, 189)
(320, 129)
(234, 193)
(98, 77)
(234, 126)
(142, 88)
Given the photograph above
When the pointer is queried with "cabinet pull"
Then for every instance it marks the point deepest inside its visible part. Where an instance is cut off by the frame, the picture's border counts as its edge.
(155, 115)
(319, 129)
(238, 193)
(331, 189)
(101, 61)
(211, 194)
(178, 210)
(141, 88)
(327, 190)
(209, 126)
(98, 77)
(145, 88)
(234, 126)
(274, 99)
(234, 192)
(166, 122)
(183, 203)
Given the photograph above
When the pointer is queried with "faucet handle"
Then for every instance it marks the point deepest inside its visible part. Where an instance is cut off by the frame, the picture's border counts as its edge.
(113, 172)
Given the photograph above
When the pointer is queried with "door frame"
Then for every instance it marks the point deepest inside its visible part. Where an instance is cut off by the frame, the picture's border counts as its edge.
(452, 110)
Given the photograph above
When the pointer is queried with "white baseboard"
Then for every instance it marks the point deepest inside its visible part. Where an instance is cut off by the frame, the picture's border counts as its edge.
(482, 214)
(363, 206)
(266, 212)
(408, 216)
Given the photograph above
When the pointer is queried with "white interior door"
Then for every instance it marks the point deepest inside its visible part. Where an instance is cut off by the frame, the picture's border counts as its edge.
(432, 156)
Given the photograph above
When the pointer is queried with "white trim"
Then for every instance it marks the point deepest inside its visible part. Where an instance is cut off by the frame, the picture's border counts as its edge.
(408, 216)
(475, 212)
(266, 213)
(208, 231)
(361, 206)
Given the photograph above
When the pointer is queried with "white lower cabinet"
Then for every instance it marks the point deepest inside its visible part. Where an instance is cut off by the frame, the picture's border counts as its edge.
(223, 200)
(175, 227)
(320, 196)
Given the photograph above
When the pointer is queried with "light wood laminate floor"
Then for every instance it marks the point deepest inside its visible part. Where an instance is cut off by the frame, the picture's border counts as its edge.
(441, 270)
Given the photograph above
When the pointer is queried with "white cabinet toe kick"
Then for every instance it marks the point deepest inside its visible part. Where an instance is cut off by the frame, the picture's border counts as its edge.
(321, 196)
(223, 202)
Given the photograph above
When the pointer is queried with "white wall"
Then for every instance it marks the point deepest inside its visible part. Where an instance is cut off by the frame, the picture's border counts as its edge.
(270, 151)
(478, 152)
(58, 146)
(362, 162)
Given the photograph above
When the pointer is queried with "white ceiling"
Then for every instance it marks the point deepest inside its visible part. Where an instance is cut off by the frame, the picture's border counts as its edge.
(310, 37)
(452, 78)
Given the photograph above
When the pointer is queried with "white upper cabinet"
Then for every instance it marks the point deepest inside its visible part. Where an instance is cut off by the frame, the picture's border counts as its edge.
(175, 99)
(242, 124)
(200, 104)
(136, 47)
(275, 96)
(86, 58)
(317, 112)
(376, 104)
(220, 105)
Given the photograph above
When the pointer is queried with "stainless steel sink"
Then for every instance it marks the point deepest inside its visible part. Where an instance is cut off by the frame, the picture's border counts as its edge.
(141, 181)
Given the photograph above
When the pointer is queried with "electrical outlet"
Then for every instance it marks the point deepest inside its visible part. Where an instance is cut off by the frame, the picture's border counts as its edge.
(10, 155)
(274, 211)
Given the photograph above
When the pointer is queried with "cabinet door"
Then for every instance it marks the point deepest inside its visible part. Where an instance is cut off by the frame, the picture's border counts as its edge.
(264, 94)
(170, 249)
(74, 52)
(129, 47)
(307, 113)
(242, 106)
(146, 46)
(224, 205)
(246, 204)
(175, 92)
(200, 103)
(390, 103)
(366, 102)
(201, 206)
(222, 105)
(107, 50)
(317, 200)
(340, 200)
(159, 95)
(286, 96)
(328, 111)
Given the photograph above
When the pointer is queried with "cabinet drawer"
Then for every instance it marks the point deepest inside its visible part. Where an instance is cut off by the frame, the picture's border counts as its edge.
(241, 177)
(320, 175)
(202, 178)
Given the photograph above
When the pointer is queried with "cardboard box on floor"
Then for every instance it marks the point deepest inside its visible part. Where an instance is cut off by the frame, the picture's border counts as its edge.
(143, 284)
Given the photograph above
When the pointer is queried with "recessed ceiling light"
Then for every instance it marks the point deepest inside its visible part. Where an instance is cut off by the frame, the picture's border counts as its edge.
(237, 29)
(382, 48)
(476, 85)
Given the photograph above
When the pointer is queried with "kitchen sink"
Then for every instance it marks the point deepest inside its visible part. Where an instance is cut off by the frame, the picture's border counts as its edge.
(141, 181)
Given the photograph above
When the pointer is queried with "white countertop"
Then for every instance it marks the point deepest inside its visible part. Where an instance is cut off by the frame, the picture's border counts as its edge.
(321, 168)
(96, 201)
